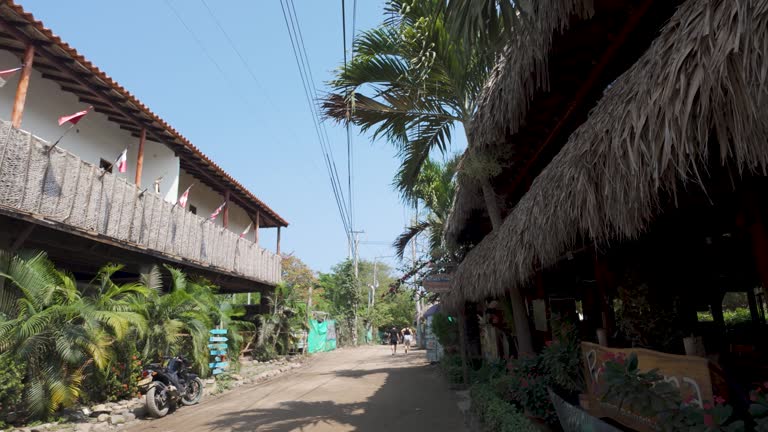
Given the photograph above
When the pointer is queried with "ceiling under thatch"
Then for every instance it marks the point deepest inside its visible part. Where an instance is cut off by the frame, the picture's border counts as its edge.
(537, 97)
(705, 76)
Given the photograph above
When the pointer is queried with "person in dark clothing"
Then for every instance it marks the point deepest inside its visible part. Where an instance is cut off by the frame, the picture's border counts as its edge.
(393, 337)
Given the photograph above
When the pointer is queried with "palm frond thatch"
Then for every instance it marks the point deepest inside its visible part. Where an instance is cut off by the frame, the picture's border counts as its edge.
(705, 75)
(520, 71)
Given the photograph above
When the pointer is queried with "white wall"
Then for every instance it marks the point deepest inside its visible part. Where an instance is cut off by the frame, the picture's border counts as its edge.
(93, 138)
(206, 200)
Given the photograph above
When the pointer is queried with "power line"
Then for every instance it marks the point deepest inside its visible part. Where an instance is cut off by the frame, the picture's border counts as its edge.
(305, 73)
(310, 87)
(350, 157)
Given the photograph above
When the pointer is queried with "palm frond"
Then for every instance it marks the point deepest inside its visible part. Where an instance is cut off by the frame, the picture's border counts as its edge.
(405, 238)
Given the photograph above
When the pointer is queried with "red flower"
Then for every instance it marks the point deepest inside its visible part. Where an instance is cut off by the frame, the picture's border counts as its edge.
(688, 399)
(719, 400)
(707, 406)
(549, 343)
(709, 420)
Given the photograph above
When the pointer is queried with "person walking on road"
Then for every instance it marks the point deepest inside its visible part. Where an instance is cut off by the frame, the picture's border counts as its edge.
(407, 338)
(393, 336)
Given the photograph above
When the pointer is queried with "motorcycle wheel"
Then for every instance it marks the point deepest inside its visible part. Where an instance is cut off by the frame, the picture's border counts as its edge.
(194, 392)
(158, 401)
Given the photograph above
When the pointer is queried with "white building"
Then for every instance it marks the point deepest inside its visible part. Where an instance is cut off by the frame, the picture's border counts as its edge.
(67, 200)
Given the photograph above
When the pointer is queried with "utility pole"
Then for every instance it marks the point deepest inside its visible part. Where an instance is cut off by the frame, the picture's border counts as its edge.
(356, 257)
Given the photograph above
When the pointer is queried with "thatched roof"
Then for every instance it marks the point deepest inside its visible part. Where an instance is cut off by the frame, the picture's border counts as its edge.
(520, 71)
(705, 75)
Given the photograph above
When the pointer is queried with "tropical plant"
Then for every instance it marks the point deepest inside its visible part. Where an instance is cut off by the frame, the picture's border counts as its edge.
(179, 320)
(287, 313)
(345, 298)
(411, 82)
(434, 189)
(648, 394)
(58, 331)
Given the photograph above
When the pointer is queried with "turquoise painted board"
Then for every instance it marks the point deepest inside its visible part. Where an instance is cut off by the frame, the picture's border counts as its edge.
(217, 371)
(218, 365)
(215, 352)
(217, 339)
(218, 331)
(217, 346)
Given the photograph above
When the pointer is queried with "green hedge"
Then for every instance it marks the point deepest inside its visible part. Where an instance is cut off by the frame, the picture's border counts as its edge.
(497, 414)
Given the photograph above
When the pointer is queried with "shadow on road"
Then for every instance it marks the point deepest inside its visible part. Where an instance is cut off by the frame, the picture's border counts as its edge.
(408, 400)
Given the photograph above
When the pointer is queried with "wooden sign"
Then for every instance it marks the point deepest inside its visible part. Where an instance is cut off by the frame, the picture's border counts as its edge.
(218, 352)
(439, 283)
(692, 375)
(217, 339)
(222, 346)
(220, 365)
(218, 331)
(217, 371)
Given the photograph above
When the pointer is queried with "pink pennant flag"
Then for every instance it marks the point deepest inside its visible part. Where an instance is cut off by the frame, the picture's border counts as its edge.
(74, 118)
(4, 75)
(247, 229)
(122, 161)
(185, 197)
(217, 211)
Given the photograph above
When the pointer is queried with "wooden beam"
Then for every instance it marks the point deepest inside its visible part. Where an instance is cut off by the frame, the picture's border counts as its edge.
(581, 95)
(258, 225)
(19, 242)
(225, 218)
(217, 184)
(21, 88)
(278, 239)
(140, 157)
(44, 52)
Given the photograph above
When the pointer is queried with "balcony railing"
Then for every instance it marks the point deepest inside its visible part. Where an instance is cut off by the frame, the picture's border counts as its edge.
(60, 187)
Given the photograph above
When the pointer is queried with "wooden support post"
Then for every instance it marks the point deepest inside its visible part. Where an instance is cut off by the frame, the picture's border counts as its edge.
(19, 242)
(278, 240)
(257, 226)
(21, 88)
(225, 218)
(463, 343)
(140, 156)
(602, 280)
(759, 239)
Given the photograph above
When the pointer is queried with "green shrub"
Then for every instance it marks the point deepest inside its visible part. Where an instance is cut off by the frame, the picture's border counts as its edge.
(451, 367)
(11, 386)
(495, 413)
(446, 329)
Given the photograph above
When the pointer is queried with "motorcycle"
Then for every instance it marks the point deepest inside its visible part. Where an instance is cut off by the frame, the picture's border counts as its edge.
(165, 385)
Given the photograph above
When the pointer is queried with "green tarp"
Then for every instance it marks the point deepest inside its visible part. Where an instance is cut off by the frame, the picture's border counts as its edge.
(322, 336)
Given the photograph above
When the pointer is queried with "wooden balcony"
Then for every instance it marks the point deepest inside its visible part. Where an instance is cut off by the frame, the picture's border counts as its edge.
(59, 189)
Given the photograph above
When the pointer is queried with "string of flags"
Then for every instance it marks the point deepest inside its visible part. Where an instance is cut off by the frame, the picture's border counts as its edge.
(184, 197)
(217, 211)
(246, 230)
(121, 163)
(5, 74)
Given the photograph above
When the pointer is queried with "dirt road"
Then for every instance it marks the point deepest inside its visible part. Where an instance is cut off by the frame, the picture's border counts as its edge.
(364, 389)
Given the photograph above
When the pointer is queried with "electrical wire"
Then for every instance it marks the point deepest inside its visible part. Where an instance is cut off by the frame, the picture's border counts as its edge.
(302, 62)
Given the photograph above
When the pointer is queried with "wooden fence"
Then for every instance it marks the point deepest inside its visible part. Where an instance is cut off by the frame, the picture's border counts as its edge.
(59, 186)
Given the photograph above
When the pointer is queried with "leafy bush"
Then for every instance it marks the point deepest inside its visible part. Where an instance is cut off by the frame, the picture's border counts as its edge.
(445, 329)
(451, 367)
(497, 414)
(11, 386)
(649, 395)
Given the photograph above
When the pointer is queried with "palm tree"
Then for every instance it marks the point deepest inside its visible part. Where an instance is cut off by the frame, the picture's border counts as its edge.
(412, 80)
(178, 319)
(435, 189)
(54, 329)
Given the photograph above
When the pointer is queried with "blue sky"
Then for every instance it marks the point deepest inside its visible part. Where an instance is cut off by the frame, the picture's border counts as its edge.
(260, 131)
